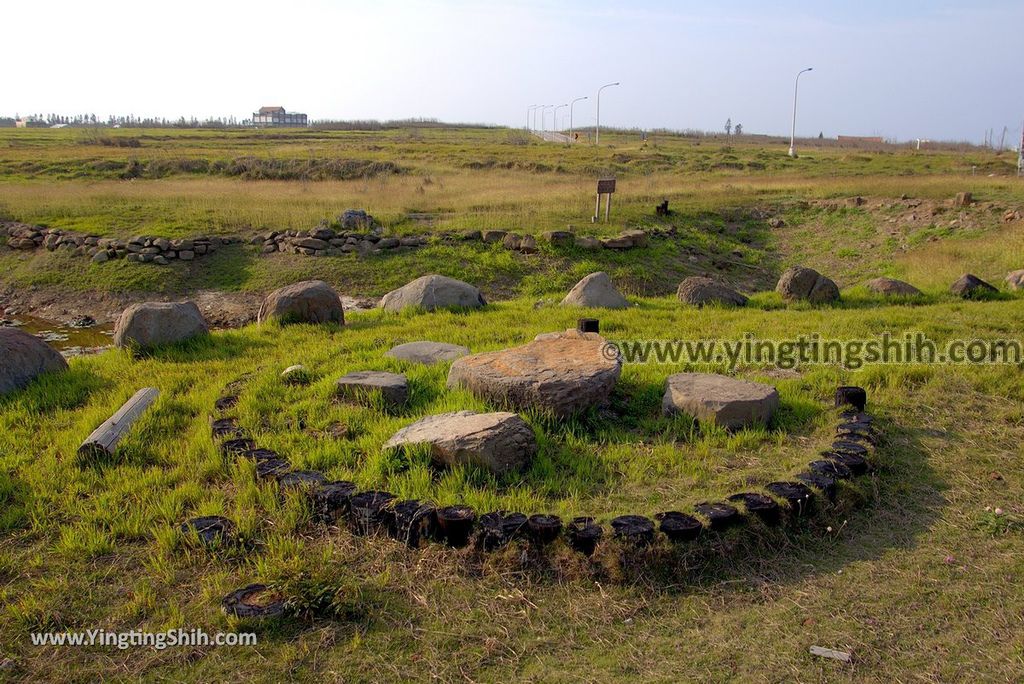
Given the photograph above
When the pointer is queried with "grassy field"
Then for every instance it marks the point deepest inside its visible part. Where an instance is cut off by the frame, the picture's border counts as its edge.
(915, 570)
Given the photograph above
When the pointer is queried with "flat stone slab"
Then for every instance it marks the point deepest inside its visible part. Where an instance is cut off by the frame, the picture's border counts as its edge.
(432, 292)
(890, 287)
(360, 385)
(427, 353)
(719, 399)
(701, 290)
(560, 373)
(500, 442)
(597, 291)
(25, 357)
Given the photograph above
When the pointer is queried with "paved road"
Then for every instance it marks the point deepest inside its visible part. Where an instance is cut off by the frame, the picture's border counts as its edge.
(552, 137)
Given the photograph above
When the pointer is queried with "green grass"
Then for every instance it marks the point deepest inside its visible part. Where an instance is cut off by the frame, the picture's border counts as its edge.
(860, 584)
(913, 570)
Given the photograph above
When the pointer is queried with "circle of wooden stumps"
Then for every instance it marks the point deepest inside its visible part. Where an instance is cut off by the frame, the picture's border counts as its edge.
(413, 522)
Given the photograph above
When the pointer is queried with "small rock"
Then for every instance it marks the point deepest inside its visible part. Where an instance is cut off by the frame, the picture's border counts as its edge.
(1015, 279)
(359, 385)
(427, 353)
(596, 290)
(700, 290)
(970, 286)
(587, 242)
(296, 375)
(963, 199)
(433, 292)
(309, 301)
(150, 324)
(799, 282)
(891, 287)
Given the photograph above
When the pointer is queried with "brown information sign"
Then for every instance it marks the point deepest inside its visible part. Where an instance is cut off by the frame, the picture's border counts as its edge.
(606, 186)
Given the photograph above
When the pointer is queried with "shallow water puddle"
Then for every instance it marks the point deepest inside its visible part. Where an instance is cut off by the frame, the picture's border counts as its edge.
(70, 340)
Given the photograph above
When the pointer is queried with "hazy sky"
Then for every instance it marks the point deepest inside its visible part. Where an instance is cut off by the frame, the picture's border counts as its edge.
(899, 68)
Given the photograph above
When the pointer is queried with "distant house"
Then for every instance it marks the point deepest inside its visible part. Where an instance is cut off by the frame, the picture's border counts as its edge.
(277, 116)
(30, 122)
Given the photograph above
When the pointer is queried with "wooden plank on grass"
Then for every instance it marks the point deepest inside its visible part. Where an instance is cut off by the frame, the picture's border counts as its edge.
(103, 440)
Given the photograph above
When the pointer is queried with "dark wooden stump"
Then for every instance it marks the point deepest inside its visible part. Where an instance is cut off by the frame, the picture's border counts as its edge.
(455, 525)
(306, 480)
(367, 511)
(843, 446)
(830, 467)
(544, 528)
(411, 521)
(679, 527)
(583, 535)
(588, 325)
(237, 446)
(255, 601)
(720, 515)
(223, 428)
(798, 495)
(761, 505)
(856, 464)
(209, 530)
(498, 528)
(331, 500)
(634, 529)
(271, 468)
(224, 403)
(259, 454)
(825, 483)
(853, 396)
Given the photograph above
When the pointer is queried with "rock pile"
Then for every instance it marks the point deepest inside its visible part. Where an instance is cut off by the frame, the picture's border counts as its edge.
(141, 248)
(325, 241)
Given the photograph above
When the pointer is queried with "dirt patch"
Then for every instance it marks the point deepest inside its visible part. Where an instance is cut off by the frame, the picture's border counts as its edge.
(221, 309)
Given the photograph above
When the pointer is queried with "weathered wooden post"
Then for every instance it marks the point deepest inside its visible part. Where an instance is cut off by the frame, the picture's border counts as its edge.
(103, 440)
(605, 186)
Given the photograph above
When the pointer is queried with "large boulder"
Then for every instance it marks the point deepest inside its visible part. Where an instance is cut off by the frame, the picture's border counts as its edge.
(700, 290)
(310, 301)
(560, 373)
(1015, 279)
(890, 287)
(719, 399)
(500, 442)
(151, 324)
(24, 357)
(427, 353)
(971, 286)
(596, 290)
(799, 282)
(360, 385)
(432, 292)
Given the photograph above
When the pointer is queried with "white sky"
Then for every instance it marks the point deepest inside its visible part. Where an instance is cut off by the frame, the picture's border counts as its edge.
(905, 69)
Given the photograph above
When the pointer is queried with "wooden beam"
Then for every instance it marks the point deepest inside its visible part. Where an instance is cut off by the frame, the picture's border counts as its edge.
(103, 440)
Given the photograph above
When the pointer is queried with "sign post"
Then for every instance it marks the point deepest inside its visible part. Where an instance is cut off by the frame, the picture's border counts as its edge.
(606, 187)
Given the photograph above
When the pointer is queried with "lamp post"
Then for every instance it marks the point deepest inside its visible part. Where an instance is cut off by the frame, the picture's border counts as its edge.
(570, 115)
(792, 135)
(543, 109)
(535, 108)
(528, 110)
(597, 132)
(554, 117)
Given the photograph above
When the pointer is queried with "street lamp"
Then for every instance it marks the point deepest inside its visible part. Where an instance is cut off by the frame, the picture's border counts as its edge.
(528, 110)
(536, 108)
(543, 108)
(554, 117)
(597, 132)
(792, 135)
(570, 114)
